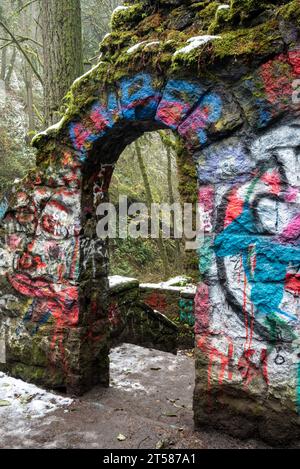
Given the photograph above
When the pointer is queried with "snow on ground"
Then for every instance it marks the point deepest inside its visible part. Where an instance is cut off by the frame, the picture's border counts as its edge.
(130, 364)
(21, 402)
(2, 94)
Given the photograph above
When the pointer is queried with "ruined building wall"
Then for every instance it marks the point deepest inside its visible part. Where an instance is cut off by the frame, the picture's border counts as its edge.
(231, 94)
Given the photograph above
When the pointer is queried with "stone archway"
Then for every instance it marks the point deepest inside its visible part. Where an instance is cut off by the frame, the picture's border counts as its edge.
(243, 131)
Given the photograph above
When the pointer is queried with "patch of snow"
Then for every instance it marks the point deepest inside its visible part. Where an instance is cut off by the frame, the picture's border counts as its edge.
(223, 7)
(51, 129)
(86, 74)
(195, 42)
(131, 367)
(106, 36)
(170, 285)
(159, 286)
(117, 280)
(119, 8)
(57, 127)
(22, 400)
(135, 47)
(150, 44)
(128, 361)
(176, 280)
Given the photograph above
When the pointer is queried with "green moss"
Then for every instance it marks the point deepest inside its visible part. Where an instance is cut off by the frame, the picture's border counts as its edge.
(35, 374)
(259, 40)
(290, 12)
(29, 373)
(208, 14)
(125, 19)
(30, 352)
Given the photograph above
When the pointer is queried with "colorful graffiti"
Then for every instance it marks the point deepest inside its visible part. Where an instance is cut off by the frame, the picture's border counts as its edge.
(171, 303)
(260, 225)
(246, 311)
(182, 104)
(254, 258)
(44, 247)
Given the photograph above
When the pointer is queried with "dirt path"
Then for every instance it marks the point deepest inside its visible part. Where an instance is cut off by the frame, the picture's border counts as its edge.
(149, 403)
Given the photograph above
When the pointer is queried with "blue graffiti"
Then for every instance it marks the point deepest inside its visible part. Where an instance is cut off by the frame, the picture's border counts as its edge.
(272, 262)
(138, 99)
(3, 208)
(208, 112)
(181, 96)
(103, 120)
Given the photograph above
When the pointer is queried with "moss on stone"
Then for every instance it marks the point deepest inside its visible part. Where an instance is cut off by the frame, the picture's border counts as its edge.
(36, 374)
(127, 17)
(260, 40)
(290, 12)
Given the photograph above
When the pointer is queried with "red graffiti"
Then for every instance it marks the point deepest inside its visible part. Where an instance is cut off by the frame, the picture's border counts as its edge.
(234, 208)
(214, 355)
(250, 370)
(294, 58)
(292, 283)
(273, 179)
(156, 301)
(278, 75)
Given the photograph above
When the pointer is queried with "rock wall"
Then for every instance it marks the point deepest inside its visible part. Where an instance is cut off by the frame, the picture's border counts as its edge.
(225, 80)
(175, 302)
(132, 321)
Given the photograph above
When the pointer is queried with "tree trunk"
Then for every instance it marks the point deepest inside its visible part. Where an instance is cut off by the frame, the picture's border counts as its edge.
(29, 97)
(3, 64)
(10, 68)
(149, 199)
(62, 48)
(178, 259)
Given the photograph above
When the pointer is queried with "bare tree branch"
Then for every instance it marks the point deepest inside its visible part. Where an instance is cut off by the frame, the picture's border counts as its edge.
(15, 40)
(26, 5)
(22, 39)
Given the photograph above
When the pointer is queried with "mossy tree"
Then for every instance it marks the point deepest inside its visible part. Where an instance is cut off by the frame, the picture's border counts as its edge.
(62, 50)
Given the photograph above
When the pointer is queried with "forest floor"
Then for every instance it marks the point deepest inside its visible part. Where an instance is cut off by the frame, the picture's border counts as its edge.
(148, 405)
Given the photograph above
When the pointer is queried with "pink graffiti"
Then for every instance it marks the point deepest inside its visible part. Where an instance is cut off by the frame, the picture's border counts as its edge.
(202, 308)
(80, 135)
(292, 231)
(171, 112)
(278, 85)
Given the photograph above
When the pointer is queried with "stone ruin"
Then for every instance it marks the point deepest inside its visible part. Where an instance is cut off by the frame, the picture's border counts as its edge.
(225, 80)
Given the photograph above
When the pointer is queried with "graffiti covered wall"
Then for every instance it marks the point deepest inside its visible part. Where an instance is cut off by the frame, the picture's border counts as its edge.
(244, 135)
